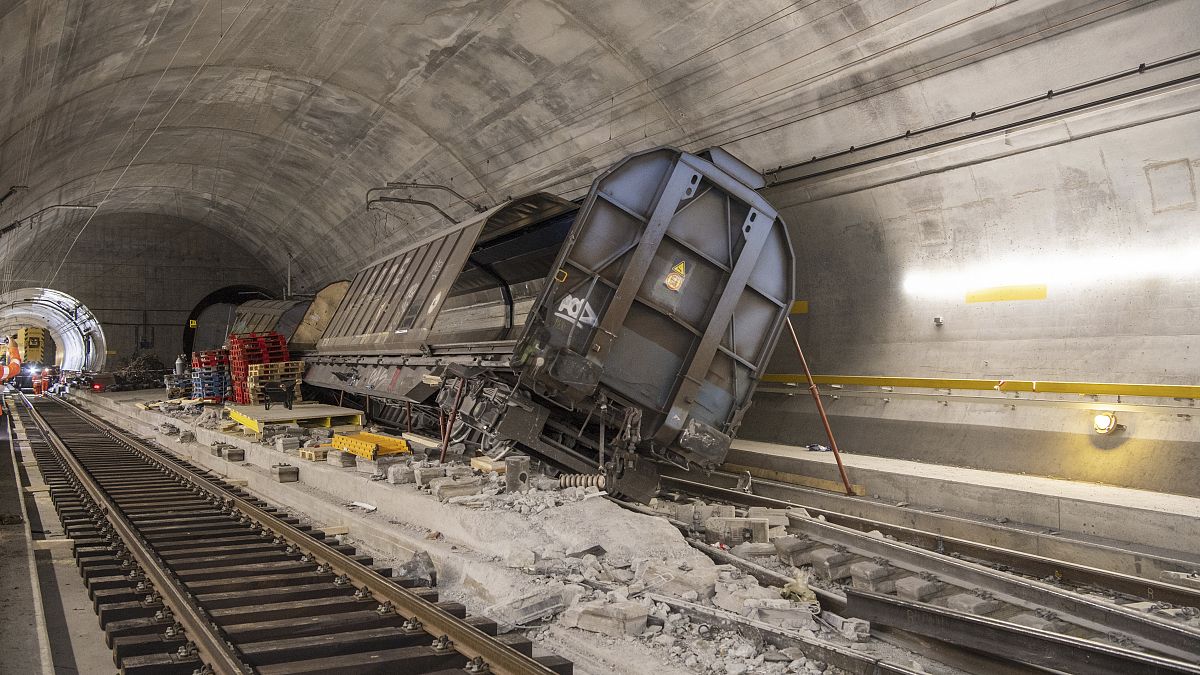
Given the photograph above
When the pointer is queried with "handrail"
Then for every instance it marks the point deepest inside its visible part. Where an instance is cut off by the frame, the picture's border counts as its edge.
(1188, 391)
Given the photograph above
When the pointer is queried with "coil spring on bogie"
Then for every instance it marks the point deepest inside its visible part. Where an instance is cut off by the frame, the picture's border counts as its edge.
(595, 480)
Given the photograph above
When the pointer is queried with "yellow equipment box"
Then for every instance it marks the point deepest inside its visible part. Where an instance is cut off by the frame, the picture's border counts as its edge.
(368, 445)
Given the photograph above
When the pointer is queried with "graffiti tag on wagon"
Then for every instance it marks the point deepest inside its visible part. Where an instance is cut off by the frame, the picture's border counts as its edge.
(576, 311)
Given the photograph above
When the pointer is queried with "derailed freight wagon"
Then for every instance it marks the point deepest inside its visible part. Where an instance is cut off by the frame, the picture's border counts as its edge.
(633, 326)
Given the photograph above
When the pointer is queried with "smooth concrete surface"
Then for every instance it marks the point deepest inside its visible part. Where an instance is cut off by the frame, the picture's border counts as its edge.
(22, 624)
(976, 436)
(48, 623)
(1163, 521)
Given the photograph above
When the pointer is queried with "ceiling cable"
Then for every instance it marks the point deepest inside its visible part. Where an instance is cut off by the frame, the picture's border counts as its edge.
(146, 142)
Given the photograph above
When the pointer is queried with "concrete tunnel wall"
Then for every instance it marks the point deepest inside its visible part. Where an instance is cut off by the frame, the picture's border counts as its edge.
(140, 274)
(1106, 218)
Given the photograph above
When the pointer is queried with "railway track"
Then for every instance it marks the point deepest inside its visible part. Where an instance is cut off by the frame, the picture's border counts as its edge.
(189, 574)
(1015, 606)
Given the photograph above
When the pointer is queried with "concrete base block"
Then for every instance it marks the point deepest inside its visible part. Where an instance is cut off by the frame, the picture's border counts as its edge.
(965, 602)
(235, 454)
(830, 563)
(377, 465)
(733, 531)
(400, 474)
(1188, 579)
(1038, 622)
(618, 618)
(872, 576)
(520, 612)
(750, 550)
(777, 517)
(917, 589)
(285, 473)
(793, 550)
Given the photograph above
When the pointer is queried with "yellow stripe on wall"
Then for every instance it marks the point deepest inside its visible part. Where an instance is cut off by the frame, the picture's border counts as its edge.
(800, 307)
(1187, 391)
(1006, 293)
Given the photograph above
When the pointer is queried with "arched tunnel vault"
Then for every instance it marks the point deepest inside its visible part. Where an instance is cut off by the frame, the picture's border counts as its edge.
(76, 331)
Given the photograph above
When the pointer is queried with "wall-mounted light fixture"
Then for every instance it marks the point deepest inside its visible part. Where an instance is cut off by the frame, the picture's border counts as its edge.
(1106, 423)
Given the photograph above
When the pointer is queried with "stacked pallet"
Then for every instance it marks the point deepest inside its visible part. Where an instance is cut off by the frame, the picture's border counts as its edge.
(210, 375)
(287, 374)
(251, 349)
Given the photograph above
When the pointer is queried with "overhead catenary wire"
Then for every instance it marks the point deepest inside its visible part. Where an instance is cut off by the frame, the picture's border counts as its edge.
(170, 108)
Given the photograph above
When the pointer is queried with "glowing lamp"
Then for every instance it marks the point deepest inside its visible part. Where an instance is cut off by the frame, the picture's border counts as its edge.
(1105, 423)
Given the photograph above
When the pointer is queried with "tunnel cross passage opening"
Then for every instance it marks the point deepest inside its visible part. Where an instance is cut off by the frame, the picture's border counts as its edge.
(67, 324)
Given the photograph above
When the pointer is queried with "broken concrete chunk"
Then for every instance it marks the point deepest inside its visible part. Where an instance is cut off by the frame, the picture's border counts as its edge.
(400, 474)
(423, 474)
(538, 605)
(339, 458)
(668, 579)
(447, 488)
(616, 619)
(856, 630)
(793, 550)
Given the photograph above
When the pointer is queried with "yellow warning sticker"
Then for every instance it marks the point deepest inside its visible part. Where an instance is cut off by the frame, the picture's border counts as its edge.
(676, 277)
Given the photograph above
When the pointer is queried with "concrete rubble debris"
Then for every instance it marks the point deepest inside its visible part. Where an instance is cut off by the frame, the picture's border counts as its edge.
(186, 436)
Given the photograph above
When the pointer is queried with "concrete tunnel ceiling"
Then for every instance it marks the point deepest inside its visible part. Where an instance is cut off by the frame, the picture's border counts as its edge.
(75, 330)
(269, 120)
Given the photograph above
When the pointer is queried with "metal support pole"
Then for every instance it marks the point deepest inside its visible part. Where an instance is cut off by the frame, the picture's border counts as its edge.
(812, 387)
(453, 415)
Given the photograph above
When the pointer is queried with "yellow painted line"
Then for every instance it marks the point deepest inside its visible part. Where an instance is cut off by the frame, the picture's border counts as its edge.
(1007, 293)
(1037, 386)
(800, 307)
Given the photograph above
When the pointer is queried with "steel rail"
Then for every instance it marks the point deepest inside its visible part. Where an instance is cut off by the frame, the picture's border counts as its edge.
(1171, 638)
(211, 647)
(1020, 561)
(465, 638)
(1039, 648)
